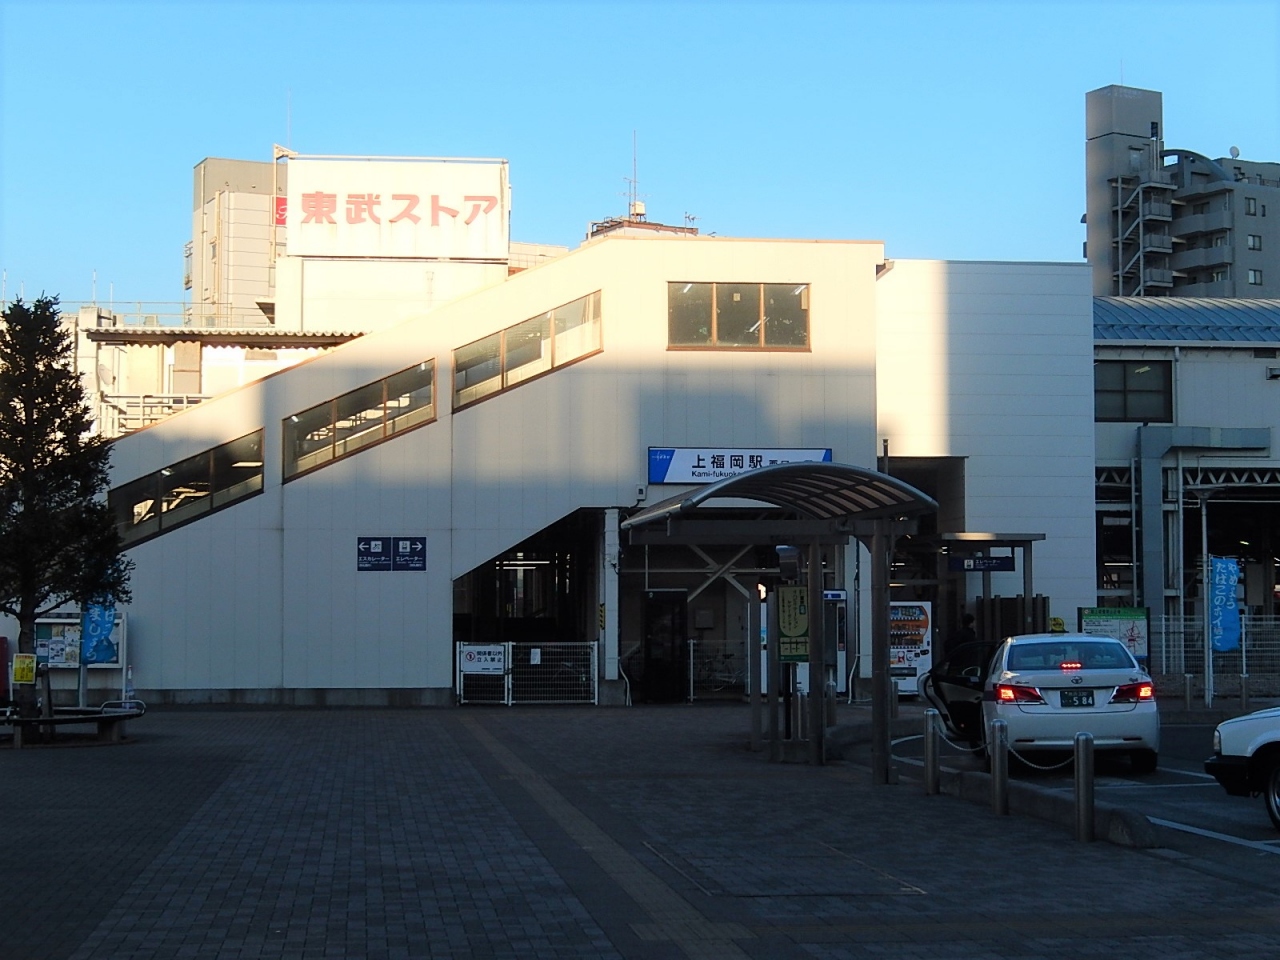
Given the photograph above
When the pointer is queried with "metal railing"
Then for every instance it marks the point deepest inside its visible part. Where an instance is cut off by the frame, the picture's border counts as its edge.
(528, 673)
(170, 313)
(123, 413)
(1178, 650)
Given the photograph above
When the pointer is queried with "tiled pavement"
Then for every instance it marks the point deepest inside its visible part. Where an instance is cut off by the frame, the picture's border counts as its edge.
(567, 833)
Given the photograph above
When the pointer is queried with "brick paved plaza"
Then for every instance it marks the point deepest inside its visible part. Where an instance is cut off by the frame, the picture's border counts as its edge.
(645, 832)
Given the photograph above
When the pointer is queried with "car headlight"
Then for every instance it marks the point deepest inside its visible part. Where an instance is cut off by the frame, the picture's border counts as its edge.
(1217, 740)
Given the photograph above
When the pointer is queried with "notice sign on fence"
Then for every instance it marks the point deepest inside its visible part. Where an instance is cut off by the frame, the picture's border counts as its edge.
(474, 658)
(1126, 624)
(793, 624)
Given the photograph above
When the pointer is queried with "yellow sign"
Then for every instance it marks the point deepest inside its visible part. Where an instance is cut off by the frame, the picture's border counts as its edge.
(24, 668)
(793, 624)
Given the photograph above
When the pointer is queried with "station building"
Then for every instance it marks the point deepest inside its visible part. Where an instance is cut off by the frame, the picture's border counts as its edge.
(330, 532)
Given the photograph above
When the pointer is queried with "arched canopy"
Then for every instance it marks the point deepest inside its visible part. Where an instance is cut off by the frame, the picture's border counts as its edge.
(832, 493)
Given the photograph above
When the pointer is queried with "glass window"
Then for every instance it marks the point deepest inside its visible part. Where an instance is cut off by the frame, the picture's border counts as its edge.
(577, 328)
(1255, 241)
(410, 398)
(746, 315)
(237, 469)
(187, 490)
(738, 318)
(689, 314)
(1255, 277)
(358, 419)
(1251, 206)
(477, 370)
(525, 350)
(1126, 390)
(184, 489)
(786, 315)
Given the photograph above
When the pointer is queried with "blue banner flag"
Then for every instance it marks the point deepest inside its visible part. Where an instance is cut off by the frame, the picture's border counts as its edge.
(96, 624)
(1224, 613)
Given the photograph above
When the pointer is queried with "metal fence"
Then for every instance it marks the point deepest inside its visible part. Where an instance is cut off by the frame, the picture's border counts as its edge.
(511, 673)
(1178, 650)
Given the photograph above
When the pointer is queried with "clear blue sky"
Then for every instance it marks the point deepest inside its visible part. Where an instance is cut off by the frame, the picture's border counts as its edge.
(951, 130)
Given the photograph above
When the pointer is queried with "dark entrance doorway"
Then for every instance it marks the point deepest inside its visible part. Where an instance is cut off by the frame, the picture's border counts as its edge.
(663, 676)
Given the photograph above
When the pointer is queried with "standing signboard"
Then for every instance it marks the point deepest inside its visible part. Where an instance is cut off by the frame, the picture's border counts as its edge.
(1129, 625)
(910, 644)
(793, 624)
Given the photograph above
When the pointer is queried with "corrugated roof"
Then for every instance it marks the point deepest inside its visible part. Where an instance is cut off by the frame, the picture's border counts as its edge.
(1186, 319)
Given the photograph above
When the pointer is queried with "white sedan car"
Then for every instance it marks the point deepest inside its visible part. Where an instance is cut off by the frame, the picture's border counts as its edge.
(1050, 686)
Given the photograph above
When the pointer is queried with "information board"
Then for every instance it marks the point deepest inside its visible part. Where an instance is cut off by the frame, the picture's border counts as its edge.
(793, 624)
(1127, 624)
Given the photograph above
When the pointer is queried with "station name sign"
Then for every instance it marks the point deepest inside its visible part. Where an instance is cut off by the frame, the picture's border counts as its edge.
(709, 464)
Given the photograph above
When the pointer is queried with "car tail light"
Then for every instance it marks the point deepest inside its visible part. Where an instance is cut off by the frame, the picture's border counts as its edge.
(1071, 665)
(1134, 693)
(1011, 693)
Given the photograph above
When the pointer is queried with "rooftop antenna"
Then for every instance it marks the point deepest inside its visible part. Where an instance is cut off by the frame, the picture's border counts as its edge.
(689, 219)
(635, 206)
(1235, 153)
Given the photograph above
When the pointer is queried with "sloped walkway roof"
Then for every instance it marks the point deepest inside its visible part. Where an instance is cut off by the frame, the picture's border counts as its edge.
(815, 490)
(1186, 319)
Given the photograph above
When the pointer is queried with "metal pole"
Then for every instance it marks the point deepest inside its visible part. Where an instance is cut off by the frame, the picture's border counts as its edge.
(771, 681)
(1244, 693)
(1187, 678)
(753, 667)
(1084, 786)
(817, 658)
(692, 647)
(1205, 577)
(931, 773)
(880, 689)
(999, 737)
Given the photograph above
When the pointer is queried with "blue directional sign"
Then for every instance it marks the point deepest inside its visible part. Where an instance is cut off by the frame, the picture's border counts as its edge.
(391, 553)
(408, 553)
(373, 553)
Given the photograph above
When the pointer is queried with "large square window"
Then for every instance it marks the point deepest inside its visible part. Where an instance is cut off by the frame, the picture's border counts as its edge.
(1128, 390)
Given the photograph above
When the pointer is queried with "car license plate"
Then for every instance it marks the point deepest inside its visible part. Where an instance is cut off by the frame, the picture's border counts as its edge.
(1077, 698)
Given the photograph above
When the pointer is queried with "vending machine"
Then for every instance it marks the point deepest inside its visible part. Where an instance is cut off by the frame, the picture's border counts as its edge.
(910, 644)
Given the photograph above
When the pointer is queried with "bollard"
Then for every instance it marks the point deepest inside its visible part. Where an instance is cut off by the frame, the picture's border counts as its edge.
(931, 775)
(830, 697)
(1186, 691)
(1084, 786)
(1244, 693)
(893, 702)
(999, 739)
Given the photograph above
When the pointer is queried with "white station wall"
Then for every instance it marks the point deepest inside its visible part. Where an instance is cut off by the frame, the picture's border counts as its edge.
(994, 362)
(266, 593)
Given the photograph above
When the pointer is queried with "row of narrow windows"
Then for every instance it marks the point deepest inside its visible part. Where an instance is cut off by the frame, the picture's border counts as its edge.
(718, 316)
(371, 414)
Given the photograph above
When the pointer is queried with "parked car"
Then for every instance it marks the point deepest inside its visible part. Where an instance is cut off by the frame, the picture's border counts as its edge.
(1048, 687)
(1246, 758)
